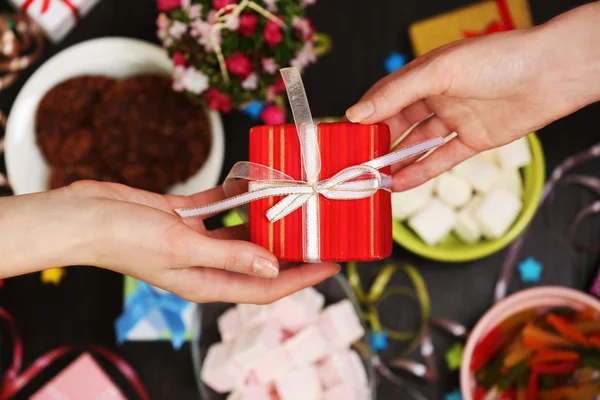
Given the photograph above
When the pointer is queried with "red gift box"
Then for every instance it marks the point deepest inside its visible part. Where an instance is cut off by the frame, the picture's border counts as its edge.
(350, 230)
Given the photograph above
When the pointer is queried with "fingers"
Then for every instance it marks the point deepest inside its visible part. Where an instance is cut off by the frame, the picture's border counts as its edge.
(239, 232)
(202, 285)
(444, 158)
(428, 129)
(404, 89)
(198, 199)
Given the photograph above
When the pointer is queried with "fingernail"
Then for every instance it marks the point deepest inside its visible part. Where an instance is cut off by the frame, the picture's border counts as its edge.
(360, 111)
(265, 268)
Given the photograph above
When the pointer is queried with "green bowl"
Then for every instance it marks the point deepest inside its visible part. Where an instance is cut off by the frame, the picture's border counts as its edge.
(451, 249)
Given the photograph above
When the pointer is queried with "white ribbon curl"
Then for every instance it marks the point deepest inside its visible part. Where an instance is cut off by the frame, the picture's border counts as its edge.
(352, 183)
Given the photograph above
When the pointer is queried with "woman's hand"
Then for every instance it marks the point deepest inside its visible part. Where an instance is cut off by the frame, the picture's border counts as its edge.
(138, 234)
(490, 90)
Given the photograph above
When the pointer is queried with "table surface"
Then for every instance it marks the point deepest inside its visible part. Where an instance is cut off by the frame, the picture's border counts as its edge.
(83, 308)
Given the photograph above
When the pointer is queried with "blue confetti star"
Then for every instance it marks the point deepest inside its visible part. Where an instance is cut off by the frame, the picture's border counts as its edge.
(453, 395)
(530, 270)
(378, 341)
(395, 61)
(254, 108)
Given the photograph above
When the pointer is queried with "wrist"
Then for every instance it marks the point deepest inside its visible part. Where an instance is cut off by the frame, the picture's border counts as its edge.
(43, 230)
(570, 53)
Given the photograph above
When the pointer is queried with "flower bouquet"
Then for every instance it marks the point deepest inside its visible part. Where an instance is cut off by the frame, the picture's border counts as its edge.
(228, 53)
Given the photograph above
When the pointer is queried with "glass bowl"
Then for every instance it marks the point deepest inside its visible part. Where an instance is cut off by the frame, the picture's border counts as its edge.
(334, 289)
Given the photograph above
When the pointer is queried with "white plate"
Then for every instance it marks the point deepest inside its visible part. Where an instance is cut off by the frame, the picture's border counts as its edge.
(28, 171)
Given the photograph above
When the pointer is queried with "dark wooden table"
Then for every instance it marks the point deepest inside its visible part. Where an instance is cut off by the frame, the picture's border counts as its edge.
(83, 308)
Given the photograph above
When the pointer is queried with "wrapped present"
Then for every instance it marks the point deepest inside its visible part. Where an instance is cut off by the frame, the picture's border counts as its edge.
(152, 314)
(474, 20)
(83, 378)
(317, 192)
(56, 17)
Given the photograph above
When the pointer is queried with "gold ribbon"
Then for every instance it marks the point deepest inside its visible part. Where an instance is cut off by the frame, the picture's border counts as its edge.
(223, 21)
(379, 292)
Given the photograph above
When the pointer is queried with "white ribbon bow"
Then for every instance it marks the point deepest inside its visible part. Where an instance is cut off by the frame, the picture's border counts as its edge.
(352, 183)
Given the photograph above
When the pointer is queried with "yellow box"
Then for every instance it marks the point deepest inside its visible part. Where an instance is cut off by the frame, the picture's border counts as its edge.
(431, 33)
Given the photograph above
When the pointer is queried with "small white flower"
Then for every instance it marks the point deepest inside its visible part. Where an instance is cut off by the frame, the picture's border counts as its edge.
(271, 5)
(304, 57)
(251, 82)
(186, 4)
(195, 11)
(178, 74)
(195, 81)
(232, 22)
(177, 29)
(308, 2)
(269, 65)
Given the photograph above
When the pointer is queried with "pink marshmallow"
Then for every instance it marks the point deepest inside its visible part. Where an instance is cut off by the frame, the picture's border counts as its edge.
(307, 346)
(273, 364)
(251, 392)
(219, 371)
(313, 297)
(293, 314)
(340, 325)
(347, 391)
(251, 345)
(252, 315)
(343, 367)
(301, 384)
(229, 324)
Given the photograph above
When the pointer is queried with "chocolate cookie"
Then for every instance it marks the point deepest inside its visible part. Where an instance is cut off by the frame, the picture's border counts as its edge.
(141, 120)
(64, 111)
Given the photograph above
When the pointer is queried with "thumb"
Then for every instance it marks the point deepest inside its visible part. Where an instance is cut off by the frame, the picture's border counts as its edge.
(230, 255)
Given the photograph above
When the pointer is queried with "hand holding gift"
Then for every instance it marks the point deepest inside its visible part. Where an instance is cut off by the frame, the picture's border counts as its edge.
(489, 90)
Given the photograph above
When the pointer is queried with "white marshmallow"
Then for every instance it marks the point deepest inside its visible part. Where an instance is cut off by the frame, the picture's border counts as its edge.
(482, 175)
(405, 204)
(433, 222)
(515, 155)
(299, 310)
(229, 324)
(219, 371)
(307, 346)
(251, 392)
(498, 212)
(510, 179)
(273, 364)
(301, 384)
(252, 344)
(252, 315)
(345, 366)
(340, 325)
(347, 391)
(489, 156)
(466, 228)
(453, 190)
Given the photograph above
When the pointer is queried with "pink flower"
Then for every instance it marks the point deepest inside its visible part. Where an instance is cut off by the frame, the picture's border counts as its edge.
(248, 23)
(178, 29)
(279, 86)
(179, 59)
(272, 33)
(273, 115)
(269, 65)
(217, 100)
(211, 18)
(218, 4)
(308, 2)
(195, 11)
(305, 26)
(202, 30)
(189, 79)
(304, 57)
(167, 5)
(239, 65)
(271, 5)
